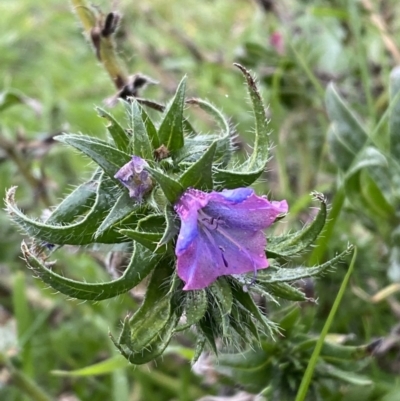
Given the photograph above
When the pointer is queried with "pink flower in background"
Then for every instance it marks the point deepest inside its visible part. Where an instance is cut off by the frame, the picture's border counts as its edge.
(276, 41)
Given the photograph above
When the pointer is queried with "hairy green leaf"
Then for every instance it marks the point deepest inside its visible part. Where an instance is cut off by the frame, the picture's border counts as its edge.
(140, 265)
(170, 132)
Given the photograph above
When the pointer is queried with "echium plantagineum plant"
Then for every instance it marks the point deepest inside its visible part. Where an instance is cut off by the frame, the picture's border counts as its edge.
(182, 206)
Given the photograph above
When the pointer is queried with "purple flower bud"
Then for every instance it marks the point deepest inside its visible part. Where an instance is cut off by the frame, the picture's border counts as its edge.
(221, 234)
(133, 176)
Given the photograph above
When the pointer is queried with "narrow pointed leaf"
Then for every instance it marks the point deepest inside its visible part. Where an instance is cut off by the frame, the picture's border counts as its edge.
(224, 145)
(243, 323)
(222, 294)
(248, 172)
(140, 140)
(140, 265)
(367, 198)
(172, 189)
(199, 174)
(172, 228)
(346, 136)
(292, 244)
(195, 307)
(155, 348)
(229, 179)
(105, 155)
(344, 375)
(153, 314)
(79, 233)
(150, 128)
(262, 143)
(297, 273)
(149, 240)
(200, 344)
(285, 291)
(101, 368)
(75, 204)
(123, 207)
(118, 134)
(170, 132)
(154, 223)
(378, 204)
(204, 326)
(247, 302)
(369, 158)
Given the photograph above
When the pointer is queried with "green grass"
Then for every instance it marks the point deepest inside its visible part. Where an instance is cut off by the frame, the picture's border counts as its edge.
(46, 57)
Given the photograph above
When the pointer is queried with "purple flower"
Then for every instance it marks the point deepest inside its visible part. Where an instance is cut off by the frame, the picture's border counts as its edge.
(135, 178)
(221, 234)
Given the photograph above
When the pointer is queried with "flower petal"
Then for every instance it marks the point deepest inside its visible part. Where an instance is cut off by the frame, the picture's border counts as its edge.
(187, 208)
(204, 260)
(221, 234)
(133, 176)
(253, 213)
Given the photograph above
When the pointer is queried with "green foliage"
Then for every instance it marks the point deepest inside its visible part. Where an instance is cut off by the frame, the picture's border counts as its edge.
(342, 142)
(148, 332)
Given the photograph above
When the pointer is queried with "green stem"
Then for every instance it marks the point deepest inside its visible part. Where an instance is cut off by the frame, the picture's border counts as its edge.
(362, 57)
(23, 382)
(310, 75)
(167, 382)
(305, 383)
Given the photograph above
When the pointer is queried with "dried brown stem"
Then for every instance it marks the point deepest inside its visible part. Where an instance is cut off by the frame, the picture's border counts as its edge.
(379, 22)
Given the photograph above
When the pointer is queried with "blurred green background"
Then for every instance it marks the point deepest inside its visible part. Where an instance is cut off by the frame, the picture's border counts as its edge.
(295, 48)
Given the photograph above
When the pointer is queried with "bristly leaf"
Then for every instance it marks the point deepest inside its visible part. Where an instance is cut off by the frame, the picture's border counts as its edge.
(155, 348)
(171, 132)
(289, 274)
(76, 203)
(199, 174)
(172, 189)
(248, 172)
(117, 133)
(140, 265)
(262, 144)
(172, 228)
(104, 154)
(122, 208)
(150, 128)
(223, 152)
(79, 233)
(195, 307)
(205, 327)
(149, 240)
(153, 314)
(222, 295)
(285, 291)
(140, 140)
(148, 232)
(246, 301)
(292, 244)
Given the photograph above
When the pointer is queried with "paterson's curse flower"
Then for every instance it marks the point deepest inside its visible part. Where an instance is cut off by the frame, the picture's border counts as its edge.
(135, 178)
(221, 234)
